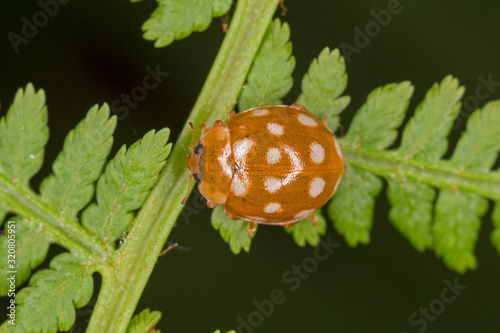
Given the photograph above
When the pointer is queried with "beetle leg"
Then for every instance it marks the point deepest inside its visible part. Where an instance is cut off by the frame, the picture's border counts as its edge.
(231, 216)
(231, 114)
(324, 121)
(313, 219)
(283, 7)
(251, 229)
(204, 129)
(210, 204)
(170, 247)
(219, 123)
(225, 22)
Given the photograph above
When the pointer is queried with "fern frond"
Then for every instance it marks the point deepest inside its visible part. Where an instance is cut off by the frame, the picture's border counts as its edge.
(270, 77)
(307, 232)
(125, 184)
(458, 213)
(48, 304)
(455, 231)
(376, 122)
(415, 170)
(145, 321)
(411, 201)
(23, 133)
(234, 232)
(353, 204)
(65, 193)
(32, 246)
(425, 135)
(374, 126)
(177, 19)
(477, 150)
(322, 86)
(411, 211)
(71, 186)
(424, 138)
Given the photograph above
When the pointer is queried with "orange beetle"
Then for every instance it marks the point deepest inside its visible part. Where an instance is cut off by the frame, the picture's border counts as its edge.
(272, 164)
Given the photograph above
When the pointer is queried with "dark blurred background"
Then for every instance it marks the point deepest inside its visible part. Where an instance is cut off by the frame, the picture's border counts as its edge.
(93, 52)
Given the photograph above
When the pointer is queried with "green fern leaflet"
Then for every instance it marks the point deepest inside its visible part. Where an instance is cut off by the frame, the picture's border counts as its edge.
(48, 303)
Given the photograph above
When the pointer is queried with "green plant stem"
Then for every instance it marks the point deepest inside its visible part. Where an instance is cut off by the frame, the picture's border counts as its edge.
(136, 258)
(69, 234)
(438, 174)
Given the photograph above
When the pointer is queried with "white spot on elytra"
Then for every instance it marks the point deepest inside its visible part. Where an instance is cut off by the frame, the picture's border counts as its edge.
(317, 152)
(304, 214)
(306, 120)
(316, 187)
(261, 112)
(297, 164)
(223, 160)
(240, 184)
(275, 129)
(273, 207)
(254, 219)
(241, 181)
(272, 184)
(273, 155)
(240, 151)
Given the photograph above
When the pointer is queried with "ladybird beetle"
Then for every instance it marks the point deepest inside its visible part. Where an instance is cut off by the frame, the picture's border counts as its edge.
(272, 164)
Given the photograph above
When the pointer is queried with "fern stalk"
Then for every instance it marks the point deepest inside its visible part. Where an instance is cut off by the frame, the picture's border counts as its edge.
(437, 174)
(134, 261)
(29, 205)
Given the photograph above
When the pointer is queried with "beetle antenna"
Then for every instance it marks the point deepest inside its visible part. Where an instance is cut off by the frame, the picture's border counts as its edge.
(190, 174)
